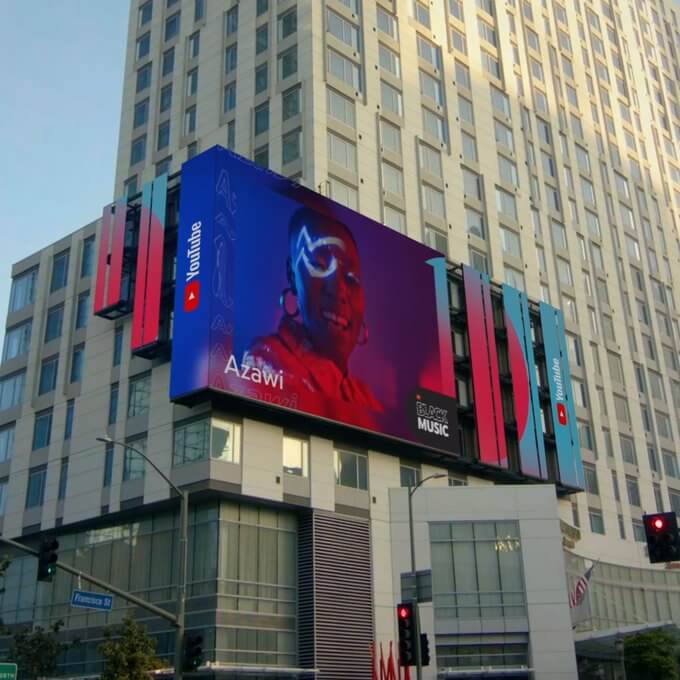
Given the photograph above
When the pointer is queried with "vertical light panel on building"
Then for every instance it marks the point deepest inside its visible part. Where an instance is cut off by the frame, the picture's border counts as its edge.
(149, 279)
(561, 397)
(108, 288)
(484, 360)
(446, 365)
(524, 383)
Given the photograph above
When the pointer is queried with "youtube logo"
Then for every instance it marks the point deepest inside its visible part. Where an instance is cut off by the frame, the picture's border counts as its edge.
(192, 296)
(561, 414)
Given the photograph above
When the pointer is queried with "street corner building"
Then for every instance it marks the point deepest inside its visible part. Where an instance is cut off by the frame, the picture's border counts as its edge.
(388, 288)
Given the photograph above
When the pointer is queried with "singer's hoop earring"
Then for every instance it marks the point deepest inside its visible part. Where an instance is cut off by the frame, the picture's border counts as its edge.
(364, 337)
(283, 301)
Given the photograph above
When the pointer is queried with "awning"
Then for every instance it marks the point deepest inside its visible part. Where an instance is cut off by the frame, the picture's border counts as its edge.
(602, 644)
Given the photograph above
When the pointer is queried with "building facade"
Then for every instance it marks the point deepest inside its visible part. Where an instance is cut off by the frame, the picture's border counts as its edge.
(542, 145)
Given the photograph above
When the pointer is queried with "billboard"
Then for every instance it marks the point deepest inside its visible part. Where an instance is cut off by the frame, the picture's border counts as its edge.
(289, 299)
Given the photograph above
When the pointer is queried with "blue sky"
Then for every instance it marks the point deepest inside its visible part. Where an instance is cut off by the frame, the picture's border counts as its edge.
(61, 76)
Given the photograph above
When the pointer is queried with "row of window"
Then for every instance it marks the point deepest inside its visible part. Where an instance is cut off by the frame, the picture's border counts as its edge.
(24, 286)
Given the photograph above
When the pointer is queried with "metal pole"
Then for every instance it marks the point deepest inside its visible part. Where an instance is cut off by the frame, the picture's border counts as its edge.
(182, 590)
(419, 667)
(183, 553)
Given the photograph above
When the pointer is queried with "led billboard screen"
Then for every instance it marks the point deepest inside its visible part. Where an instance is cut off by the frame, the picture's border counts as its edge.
(289, 299)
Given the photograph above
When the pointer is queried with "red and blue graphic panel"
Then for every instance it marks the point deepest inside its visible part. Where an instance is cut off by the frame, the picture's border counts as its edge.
(149, 278)
(524, 383)
(286, 298)
(485, 374)
(561, 397)
(108, 292)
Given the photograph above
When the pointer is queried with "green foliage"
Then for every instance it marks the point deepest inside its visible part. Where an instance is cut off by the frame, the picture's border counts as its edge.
(652, 655)
(35, 651)
(131, 655)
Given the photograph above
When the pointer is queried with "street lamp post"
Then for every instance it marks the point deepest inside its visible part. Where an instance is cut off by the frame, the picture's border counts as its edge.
(183, 550)
(411, 491)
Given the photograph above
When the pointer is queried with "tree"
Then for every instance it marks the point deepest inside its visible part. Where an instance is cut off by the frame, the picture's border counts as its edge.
(35, 651)
(131, 655)
(652, 655)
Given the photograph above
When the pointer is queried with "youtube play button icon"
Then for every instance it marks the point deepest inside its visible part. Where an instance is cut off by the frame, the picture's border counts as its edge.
(192, 296)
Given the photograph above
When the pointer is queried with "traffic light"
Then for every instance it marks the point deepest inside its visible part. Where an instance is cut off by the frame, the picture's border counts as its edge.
(663, 540)
(47, 559)
(406, 625)
(424, 650)
(193, 651)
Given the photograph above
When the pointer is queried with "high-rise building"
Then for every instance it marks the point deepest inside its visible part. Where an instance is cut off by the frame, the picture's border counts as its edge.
(536, 142)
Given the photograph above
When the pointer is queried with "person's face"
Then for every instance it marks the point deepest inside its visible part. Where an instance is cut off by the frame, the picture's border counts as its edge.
(327, 277)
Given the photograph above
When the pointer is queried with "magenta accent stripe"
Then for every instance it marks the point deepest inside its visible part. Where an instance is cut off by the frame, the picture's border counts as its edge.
(102, 260)
(114, 292)
(142, 265)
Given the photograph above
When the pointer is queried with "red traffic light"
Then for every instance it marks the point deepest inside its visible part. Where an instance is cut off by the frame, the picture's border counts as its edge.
(404, 612)
(658, 523)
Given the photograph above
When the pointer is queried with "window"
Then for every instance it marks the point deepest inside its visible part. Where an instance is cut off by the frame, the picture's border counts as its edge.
(506, 204)
(261, 39)
(23, 290)
(436, 239)
(474, 222)
(6, 442)
(133, 463)
(390, 137)
(117, 346)
(393, 179)
(12, 390)
(17, 340)
(191, 442)
(113, 404)
(288, 63)
(145, 13)
(287, 24)
(513, 277)
(342, 152)
(231, 58)
(35, 493)
(433, 201)
(143, 45)
(389, 60)
(3, 497)
(63, 479)
(59, 271)
(435, 126)
(229, 97)
(261, 116)
(633, 491)
(462, 75)
(295, 456)
(591, 479)
(596, 521)
(42, 429)
(492, 65)
(341, 108)
(500, 102)
(344, 30)
(564, 272)
(344, 193)
(639, 531)
(351, 469)
(192, 82)
(627, 449)
(429, 51)
(194, 45)
(138, 150)
(82, 310)
(141, 113)
(503, 135)
(670, 464)
(231, 21)
(458, 41)
(262, 7)
(168, 64)
(87, 257)
(172, 26)
(139, 395)
(108, 465)
(394, 218)
(510, 242)
(421, 12)
(465, 110)
(387, 23)
(77, 362)
(199, 9)
(261, 156)
(409, 475)
(48, 375)
(226, 441)
(508, 171)
(262, 79)
(231, 134)
(344, 69)
(70, 412)
(291, 146)
(143, 78)
(430, 160)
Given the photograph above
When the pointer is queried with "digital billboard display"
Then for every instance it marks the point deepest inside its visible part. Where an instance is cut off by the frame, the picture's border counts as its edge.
(289, 299)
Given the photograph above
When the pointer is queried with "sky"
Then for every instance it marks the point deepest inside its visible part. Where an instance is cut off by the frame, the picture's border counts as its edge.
(61, 79)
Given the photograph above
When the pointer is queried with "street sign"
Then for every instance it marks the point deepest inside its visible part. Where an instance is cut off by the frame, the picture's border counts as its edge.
(8, 671)
(87, 600)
